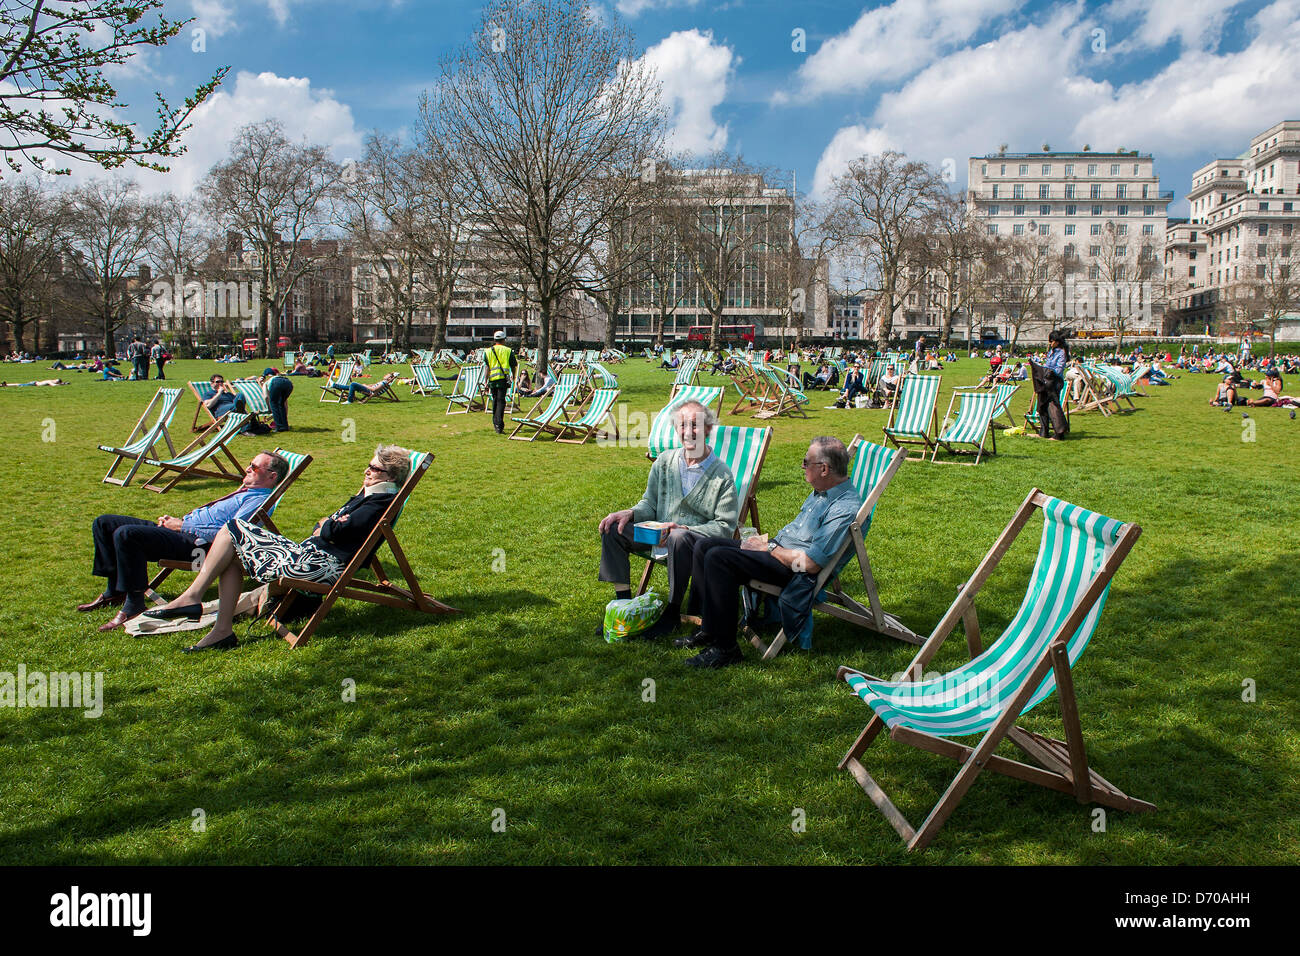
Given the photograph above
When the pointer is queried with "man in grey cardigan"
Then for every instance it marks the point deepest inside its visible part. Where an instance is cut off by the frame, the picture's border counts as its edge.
(694, 492)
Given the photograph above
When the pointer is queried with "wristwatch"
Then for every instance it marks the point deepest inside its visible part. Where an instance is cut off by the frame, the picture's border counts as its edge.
(771, 546)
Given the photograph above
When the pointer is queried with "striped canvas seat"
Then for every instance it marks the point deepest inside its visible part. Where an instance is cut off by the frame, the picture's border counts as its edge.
(202, 391)
(206, 450)
(912, 417)
(467, 396)
(600, 376)
(254, 398)
(337, 385)
(784, 394)
(1079, 553)
(423, 381)
(872, 469)
(662, 434)
(142, 440)
(974, 423)
(577, 432)
(688, 373)
(549, 418)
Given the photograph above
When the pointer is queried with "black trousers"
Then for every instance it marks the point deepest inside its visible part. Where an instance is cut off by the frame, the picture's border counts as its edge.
(499, 390)
(124, 546)
(160, 367)
(1051, 417)
(719, 571)
(615, 568)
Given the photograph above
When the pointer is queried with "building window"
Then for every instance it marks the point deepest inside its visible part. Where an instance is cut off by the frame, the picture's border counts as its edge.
(1096, 210)
(1044, 229)
(1260, 271)
(1018, 229)
(1095, 191)
(1004, 170)
(993, 210)
(1094, 251)
(1191, 272)
(1144, 191)
(1114, 169)
(1148, 210)
(1069, 229)
(1121, 191)
(1263, 207)
(995, 192)
(1121, 250)
(1121, 211)
(1024, 169)
(993, 229)
(1121, 230)
(1018, 191)
(1071, 210)
(1261, 251)
(984, 169)
(1069, 190)
(1044, 210)
(1148, 230)
(1092, 169)
(1094, 229)
(1044, 191)
(1047, 169)
(1094, 272)
(1263, 229)
(1069, 169)
(1136, 169)
(1069, 247)
(1019, 210)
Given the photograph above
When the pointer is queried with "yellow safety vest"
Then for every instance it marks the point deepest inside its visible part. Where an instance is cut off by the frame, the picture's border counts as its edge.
(501, 367)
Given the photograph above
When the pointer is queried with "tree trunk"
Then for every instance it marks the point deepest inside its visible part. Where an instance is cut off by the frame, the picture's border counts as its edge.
(609, 329)
(440, 327)
(544, 338)
(886, 321)
(110, 349)
(715, 331)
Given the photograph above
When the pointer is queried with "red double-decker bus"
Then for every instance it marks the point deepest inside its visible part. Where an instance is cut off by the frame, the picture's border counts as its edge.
(727, 334)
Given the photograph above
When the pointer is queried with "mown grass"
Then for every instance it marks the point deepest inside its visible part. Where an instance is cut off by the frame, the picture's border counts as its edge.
(514, 705)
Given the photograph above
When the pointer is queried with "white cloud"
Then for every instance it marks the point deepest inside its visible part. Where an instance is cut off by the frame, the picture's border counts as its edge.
(847, 145)
(634, 8)
(693, 72)
(1196, 24)
(308, 113)
(217, 17)
(892, 42)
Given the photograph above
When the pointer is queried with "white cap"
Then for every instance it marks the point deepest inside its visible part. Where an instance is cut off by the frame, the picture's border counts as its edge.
(499, 335)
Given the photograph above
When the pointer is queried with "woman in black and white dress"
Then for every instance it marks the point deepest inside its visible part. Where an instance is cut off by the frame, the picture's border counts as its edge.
(241, 547)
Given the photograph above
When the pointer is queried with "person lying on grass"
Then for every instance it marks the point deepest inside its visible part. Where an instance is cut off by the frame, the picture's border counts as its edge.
(241, 547)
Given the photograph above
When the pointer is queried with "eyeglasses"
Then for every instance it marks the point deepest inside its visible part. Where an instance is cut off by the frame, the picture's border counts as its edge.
(376, 469)
(806, 462)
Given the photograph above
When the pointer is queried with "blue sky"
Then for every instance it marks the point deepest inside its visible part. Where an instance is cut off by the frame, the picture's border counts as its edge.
(1187, 80)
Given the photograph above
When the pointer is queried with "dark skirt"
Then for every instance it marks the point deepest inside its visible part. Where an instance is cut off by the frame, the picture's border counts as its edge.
(266, 555)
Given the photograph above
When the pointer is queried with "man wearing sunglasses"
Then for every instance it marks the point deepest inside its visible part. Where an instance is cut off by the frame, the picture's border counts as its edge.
(791, 559)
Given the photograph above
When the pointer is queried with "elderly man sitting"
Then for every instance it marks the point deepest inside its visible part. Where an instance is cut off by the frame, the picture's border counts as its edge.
(124, 546)
(792, 559)
(690, 489)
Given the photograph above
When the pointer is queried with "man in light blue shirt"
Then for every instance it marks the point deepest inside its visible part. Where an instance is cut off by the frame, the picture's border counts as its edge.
(124, 546)
(791, 559)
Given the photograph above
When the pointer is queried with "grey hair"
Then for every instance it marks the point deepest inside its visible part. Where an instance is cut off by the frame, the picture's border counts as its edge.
(396, 461)
(710, 419)
(833, 451)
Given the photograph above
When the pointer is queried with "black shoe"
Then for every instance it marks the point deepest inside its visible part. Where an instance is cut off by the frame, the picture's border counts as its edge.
(714, 657)
(698, 639)
(668, 623)
(191, 611)
(226, 643)
(104, 600)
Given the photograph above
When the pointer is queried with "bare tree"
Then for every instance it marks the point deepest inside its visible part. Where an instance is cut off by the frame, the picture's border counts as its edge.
(548, 114)
(955, 247)
(182, 247)
(55, 97)
(733, 233)
(886, 203)
(1021, 276)
(1272, 286)
(803, 262)
(276, 195)
(1126, 271)
(107, 241)
(32, 221)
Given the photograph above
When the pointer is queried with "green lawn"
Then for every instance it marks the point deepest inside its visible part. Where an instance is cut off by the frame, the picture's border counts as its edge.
(514, 705)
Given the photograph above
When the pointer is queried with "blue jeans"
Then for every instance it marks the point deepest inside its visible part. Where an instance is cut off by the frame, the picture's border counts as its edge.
(277, 396)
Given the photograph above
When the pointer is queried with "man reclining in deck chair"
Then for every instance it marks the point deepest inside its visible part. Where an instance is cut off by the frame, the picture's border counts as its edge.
(690, 489)
(791, 559)
(124, 546)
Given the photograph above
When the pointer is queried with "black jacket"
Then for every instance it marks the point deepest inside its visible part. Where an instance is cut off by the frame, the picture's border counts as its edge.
(343, 539)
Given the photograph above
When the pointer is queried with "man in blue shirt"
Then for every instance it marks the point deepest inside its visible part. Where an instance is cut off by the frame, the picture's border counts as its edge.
(124, 546)
(794, 557)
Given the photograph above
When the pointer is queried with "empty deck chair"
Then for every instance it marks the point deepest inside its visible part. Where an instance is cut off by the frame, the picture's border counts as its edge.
(1078, 555)
(873, 468)
(597, 415)
(467, 395)
(349, 585)
(142, 441)
(912, 416)
(972, 426)
(688, 373)
(784, 394)
(424, 382)
(262, 516)
(196, 460)
(548, 420)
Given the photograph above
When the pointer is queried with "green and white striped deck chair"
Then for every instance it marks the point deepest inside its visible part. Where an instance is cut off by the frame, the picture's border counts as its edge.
(600, 410)
(202, 391)
(467, 396)
(424, 381)
(743, 450)
(204, 451)
(972, 426)
(297, 464)
(254, 399)
(600, 377)
(1097, 392)
(662, 433)
(873, 468)
(1031, 416)
(380, 591)
(1078, 555)
(1004, 392)
(336, 386)
(550, 418)
(688, 373)
(913, 419)
(365, 358)
(140, 444)
(290, 359)
(784, 394)
(309, 357)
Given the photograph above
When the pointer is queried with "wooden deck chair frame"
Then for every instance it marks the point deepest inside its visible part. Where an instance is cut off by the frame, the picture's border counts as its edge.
(463, 402)
(687, 374)
(988, 433)
(214, 442)
(381, 591)
(747, 495)
(1064, 764)
(600, 412)
(838, 604)
(198, 389)
(330, 390)
(262, 516)
(922, 437)
(255, 403)
(554, 417)
(783, 397)
(140, 444)
(431, 387)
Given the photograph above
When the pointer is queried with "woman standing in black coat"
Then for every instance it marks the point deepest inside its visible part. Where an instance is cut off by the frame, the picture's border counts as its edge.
(266, 556)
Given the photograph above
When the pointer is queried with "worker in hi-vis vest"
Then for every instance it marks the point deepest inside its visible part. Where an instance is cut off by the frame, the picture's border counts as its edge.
(501, 365)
